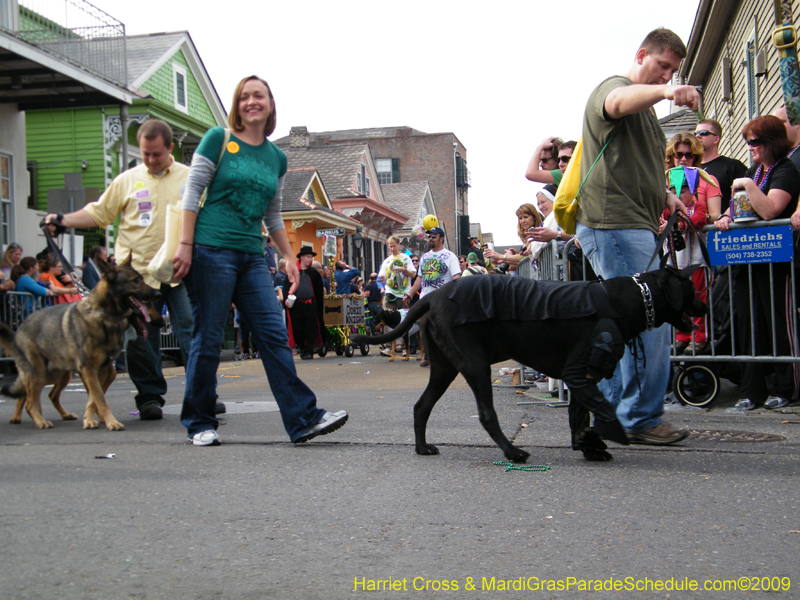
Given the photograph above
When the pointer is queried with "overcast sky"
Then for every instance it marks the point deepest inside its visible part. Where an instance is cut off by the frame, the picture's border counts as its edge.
(501, 76)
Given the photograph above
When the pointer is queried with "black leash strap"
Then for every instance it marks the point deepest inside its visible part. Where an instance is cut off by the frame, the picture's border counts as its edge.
(51, 243)
(660, 242)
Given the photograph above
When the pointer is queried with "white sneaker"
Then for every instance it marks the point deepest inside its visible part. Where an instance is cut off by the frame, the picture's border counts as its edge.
(208, 437)
(745, 403)
(776, 402)
(328, 423)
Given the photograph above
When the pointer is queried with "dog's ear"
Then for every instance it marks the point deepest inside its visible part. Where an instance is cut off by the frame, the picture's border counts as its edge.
(669, 280)
(106, 269)
(689, 271)
(128, 262)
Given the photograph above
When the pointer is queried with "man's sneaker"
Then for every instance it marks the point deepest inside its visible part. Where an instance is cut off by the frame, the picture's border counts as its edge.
(425, 363)
(150, 412)
(662, 434)
(219, 409)
(745, 403)
(208, 437)
(386, 352)
(776, 402)
(327, 423)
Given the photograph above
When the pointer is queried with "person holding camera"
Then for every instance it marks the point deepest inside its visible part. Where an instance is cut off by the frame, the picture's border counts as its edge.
(528, 218)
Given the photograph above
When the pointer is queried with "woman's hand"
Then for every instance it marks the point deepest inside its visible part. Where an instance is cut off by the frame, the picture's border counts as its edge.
(796, 219)
(542, 234)
(182, 261)
(662, 224)
(490, 254)
(723, 223)
(742, 183)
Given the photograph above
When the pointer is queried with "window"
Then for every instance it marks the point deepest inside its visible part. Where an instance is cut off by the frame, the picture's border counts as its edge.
(750, 50)
(181, 91)
(34, 189)
(388, 170)
(6, 197)
(362, 181)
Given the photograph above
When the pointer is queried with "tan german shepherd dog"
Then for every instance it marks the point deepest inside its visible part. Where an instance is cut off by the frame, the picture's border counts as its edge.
(84, 336)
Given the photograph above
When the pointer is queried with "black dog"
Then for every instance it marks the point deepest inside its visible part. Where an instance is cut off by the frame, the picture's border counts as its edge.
(392, 318)
(582, 331)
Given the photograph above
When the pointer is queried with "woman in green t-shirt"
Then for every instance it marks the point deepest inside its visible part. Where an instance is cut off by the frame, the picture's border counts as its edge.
(222, 259)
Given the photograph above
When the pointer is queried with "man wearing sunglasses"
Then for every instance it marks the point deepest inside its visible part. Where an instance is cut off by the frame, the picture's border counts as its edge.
(724, 168)
(549, 161)
(437, 267)
(619, 210)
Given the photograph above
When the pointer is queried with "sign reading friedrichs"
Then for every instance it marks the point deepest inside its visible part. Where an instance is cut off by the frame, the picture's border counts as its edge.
(752, 245)
(324, 232)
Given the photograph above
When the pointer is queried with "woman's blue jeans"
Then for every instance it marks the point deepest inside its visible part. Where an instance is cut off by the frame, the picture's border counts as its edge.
(217, 278)
(636, 392)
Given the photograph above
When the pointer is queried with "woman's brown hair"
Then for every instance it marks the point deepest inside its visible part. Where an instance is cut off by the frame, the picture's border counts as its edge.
(528, 209)
(684, 138)
(235, 117)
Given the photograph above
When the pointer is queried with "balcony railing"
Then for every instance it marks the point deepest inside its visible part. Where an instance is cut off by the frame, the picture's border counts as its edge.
(73, 30)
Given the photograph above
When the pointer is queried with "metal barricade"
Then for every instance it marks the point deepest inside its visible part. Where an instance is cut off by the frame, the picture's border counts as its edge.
(729, 346)
(169, 341)
(15, 307)
(550, 265)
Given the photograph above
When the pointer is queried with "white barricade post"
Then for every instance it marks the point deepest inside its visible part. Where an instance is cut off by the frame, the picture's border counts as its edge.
(548, 266)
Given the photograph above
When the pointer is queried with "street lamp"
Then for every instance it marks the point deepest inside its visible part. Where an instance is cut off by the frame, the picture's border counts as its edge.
(358, 243)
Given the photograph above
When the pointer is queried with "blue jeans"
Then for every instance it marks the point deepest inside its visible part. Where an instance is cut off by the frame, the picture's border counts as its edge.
(636, 392)
(144, 356)
(217, 278)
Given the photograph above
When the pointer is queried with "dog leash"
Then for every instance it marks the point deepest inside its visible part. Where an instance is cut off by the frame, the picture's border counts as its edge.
(51, 243)
(512, 467)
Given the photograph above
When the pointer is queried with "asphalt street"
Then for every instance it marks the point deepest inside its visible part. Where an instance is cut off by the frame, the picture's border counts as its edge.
(357, 514)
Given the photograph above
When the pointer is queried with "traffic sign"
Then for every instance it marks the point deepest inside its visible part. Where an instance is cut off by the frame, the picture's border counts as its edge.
(337, 231)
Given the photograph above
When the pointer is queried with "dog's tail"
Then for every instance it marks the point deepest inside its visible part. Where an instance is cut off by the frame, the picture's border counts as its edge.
(414, 314)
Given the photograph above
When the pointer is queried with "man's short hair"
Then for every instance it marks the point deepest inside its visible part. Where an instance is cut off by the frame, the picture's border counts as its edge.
(570, 145)
(152, 128)
(715, 128)
(95, 251)
(373, 276)
(557, 143)
(393, 238)
(663, 40)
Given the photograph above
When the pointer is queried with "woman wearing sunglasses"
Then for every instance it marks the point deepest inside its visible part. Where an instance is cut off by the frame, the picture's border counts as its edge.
(685, 150)
(773, 186)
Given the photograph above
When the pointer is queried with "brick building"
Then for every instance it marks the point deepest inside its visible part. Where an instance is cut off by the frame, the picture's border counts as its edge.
(403, 154)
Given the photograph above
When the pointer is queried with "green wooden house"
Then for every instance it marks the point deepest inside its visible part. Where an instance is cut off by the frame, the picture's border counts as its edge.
(168, 81)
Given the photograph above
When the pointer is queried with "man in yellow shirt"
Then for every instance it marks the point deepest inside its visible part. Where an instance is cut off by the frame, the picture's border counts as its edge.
(140, 196)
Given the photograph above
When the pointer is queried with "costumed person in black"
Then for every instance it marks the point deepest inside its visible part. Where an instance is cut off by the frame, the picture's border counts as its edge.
(306, 326)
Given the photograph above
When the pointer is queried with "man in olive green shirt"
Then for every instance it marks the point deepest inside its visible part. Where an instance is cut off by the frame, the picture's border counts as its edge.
(619, 213)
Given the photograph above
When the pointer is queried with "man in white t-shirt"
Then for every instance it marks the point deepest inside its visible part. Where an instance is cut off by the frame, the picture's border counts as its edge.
(437, 267)
(397, 271)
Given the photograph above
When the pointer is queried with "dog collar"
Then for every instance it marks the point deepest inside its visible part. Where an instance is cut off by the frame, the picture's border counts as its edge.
(649, 310)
